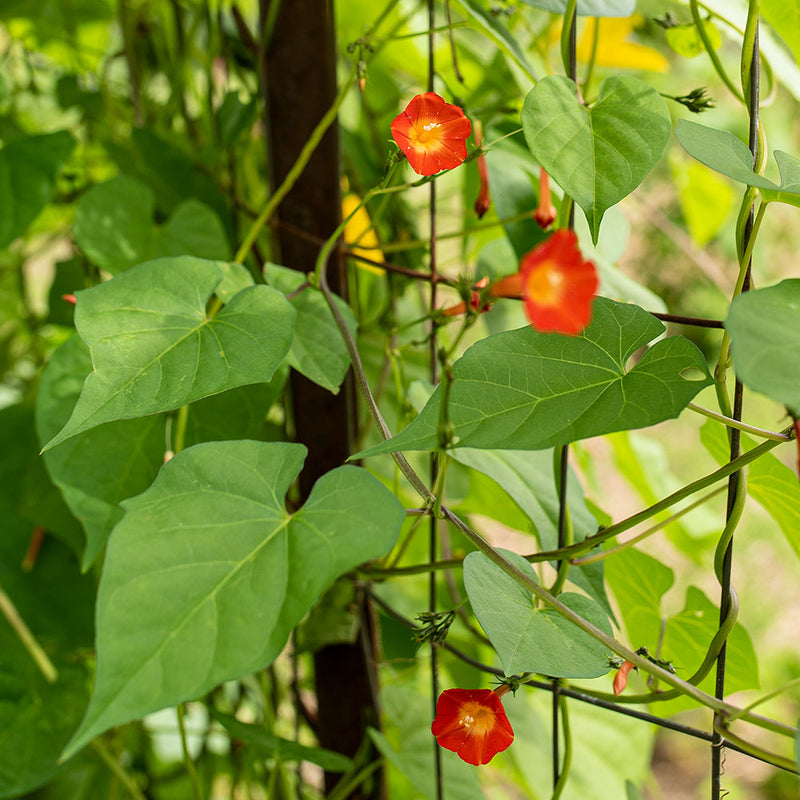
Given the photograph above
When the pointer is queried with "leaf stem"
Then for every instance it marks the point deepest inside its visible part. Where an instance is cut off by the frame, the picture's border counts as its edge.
(742, 426)
(716, 63)
(9, 611)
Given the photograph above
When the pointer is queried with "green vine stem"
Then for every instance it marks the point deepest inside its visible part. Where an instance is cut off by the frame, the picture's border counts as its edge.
(119, 772)
(197, 791)
(591, 559)
(297, 168)
(567, 762)
(717, 64)
(749, 747)
(741, 426)
(9, 611)
(767, 697)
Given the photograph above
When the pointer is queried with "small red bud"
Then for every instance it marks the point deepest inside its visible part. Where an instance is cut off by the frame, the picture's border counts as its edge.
(545, 214)
(621, 678)
(70, 298)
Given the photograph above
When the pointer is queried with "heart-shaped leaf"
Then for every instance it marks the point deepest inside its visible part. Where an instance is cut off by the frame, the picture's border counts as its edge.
(601, 154)
(114, 227)
(729, 155)
(155, 349)
(525, 390)
(207, 574)
(531, 639)
(318, 350)
(764, 326)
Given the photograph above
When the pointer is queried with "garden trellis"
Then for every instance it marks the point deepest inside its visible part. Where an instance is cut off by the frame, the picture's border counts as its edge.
(308, 388)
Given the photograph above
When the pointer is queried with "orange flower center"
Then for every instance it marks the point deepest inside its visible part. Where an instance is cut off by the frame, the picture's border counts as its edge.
(545, 283)
(425, 133)
(476, 718)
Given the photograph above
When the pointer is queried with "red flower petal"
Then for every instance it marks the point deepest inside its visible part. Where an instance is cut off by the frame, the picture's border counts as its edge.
(472, 723)
(432, 134)
(558, 286)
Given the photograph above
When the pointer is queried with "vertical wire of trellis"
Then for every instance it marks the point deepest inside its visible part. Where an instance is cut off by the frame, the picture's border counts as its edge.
(561, 462)
(735, 482)
(434, 463)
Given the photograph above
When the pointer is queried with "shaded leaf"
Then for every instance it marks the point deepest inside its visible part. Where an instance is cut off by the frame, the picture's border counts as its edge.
(155, 349)
(526, 390)
(531, 639)
(597, 155)
(28, 169)
(318, 350)
(219, 573)
(284, 750)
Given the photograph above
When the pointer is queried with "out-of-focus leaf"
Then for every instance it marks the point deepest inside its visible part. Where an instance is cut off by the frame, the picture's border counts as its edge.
(284, 750)
(588, 8)
(769, 482)
(764, 326)
(686, 42)
(28, 170)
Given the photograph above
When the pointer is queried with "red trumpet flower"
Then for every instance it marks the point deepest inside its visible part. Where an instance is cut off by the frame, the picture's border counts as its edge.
(432, 134)
(472, 723)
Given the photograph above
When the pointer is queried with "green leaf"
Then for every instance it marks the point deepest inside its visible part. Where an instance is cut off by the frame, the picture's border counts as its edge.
(706, 199)
(525, 390)
(725, 153)
(155, 349)
(195, 230)
(686, 41)
(531, 639)
(28, 170)
(494, 30)
(528, 480)
(114, 224)
(769, 482)
(284, 750)
(101, 467)
(37, 717)
(218, 572)
(318, 350)
(639, 581)
(797, 746)
(601, 154)
(115, 229)
(764, 326)
(784, 17)
(688, 634)
(588, 8)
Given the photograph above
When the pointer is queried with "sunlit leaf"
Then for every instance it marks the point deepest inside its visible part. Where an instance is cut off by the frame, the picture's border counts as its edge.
(217, 573)
(597, 155)
(155, 349)
(784, 17)
(686, 41)
(525, 390)
(588, 8)
(318, 350)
